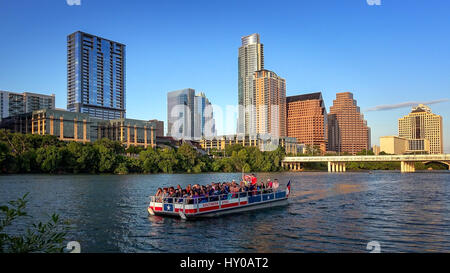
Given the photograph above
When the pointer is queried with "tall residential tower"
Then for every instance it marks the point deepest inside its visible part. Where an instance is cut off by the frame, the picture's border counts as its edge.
(270, 104)
(95, 76)
(250, 60)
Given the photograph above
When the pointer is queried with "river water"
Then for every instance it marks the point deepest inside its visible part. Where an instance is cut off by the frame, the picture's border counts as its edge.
(328, 212)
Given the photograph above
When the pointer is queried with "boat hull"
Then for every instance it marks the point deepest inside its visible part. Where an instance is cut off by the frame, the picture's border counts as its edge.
(276, 203)
(219, 208)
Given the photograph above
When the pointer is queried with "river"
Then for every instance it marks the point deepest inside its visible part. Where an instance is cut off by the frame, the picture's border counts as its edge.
(328, 212)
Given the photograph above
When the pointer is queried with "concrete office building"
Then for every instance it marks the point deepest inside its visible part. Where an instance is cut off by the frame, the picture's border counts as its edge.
(250, 60)
(400, 145)
(419, 125)
(393, 145)
(306, 120)
(81, 127)
(95, 76)
(347, 130)
(270, 103)
(13, 104)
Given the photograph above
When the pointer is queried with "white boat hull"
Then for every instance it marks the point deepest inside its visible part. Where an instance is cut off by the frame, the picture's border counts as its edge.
(218, 207)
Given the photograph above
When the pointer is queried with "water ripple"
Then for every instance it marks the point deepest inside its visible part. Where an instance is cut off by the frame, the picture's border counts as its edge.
(327, 213)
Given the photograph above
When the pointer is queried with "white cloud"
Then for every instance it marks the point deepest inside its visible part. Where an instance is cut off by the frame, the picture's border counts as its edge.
(386, 107)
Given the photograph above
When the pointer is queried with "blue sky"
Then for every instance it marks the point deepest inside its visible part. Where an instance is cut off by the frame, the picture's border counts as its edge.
(387, 54)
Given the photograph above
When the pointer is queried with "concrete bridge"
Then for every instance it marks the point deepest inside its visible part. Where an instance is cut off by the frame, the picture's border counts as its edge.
(337, 163)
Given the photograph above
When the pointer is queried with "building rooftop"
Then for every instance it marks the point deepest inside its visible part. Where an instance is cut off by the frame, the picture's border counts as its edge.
(311, 96)
(92, 35)
(421, 108)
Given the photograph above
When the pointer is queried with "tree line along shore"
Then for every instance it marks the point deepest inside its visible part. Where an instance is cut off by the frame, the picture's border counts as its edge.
(28, 153)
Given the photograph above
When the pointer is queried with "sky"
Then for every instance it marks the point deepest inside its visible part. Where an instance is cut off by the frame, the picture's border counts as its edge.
(387, 55)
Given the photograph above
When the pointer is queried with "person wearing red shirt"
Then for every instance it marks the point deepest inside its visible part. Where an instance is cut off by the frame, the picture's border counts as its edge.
(254, 179)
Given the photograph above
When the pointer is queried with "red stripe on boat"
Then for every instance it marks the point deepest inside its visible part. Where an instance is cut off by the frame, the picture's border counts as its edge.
(209, 208)
(244, 203)
(230, 205)
(157, 208)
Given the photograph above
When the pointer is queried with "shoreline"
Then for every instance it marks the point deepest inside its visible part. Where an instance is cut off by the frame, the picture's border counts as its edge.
(187, 173)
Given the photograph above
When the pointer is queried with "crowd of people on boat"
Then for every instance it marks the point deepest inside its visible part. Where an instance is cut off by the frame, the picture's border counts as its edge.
(216, 190)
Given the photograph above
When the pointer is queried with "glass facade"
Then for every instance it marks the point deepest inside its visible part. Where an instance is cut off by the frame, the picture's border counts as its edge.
(250, 60)
(189, 116)
(95, 76)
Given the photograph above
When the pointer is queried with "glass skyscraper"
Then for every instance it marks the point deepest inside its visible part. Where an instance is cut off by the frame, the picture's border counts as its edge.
(250, 60)
(204, 123)
(95, 76)
(180, 119)
(189, 116)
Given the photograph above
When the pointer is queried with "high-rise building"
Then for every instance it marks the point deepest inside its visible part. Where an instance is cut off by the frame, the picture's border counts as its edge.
(307, 119)
(421, 125)
(12, 104)
(95, 76)
(270, 104)
(189, 116)
(250, 60)
(347, 130)
(204, 123)
(180, 121)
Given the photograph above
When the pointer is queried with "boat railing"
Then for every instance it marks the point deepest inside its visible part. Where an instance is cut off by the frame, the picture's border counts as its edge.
(213, 198)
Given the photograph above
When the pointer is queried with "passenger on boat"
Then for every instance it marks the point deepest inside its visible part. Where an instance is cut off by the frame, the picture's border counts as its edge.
(269, 183)
(254, 179)
(275, 184)
(158, 195)
(215, 191)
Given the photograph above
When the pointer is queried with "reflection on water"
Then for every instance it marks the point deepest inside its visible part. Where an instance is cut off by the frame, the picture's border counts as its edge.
(327, 213)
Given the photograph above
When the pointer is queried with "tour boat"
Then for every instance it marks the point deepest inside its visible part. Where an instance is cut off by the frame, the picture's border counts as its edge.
(217, 205)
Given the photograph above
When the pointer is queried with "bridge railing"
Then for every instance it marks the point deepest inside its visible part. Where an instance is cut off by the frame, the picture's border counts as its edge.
(442, 157)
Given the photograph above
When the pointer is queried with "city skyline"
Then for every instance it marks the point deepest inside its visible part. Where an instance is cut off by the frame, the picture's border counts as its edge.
(403, 81)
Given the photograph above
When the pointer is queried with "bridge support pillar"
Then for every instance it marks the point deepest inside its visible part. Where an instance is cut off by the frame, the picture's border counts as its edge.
(334, 167)
(407, 167)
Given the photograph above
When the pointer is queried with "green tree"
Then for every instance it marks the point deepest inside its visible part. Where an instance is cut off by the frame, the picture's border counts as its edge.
(188, 157)
(49, 159)
(4, 155)
(150, 159)
(108, 153)
(121, 169)
(168, 160)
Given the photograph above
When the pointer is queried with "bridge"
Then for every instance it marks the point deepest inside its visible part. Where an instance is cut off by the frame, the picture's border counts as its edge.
(337, 163)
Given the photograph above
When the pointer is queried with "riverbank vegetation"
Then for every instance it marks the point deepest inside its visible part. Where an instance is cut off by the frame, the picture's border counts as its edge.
(27, 153)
